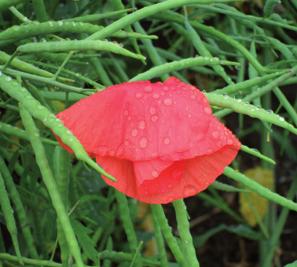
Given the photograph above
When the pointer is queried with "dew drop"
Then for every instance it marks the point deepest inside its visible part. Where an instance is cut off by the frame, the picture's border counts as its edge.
(148, 89)
(156, 95)
(155, 174)
(166, 88)
(168, 199)
(143, 142)
(126, 113)
(154, 118)
(134, 132)
(189, 190)
(152, 110)
(207, 110)
(141, 125)
(229, 142)
(193, 96)
(190, 115)
(138, 95)
(167, 101)
(166, 141)
(215, 134)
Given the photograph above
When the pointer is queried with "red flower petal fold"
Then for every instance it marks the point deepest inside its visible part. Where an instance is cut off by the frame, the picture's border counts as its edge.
(160, 140)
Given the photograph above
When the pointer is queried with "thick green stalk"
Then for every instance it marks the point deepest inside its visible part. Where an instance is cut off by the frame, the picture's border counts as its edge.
(183, 226)
(127, 223)
(51, 185)
(168, 236)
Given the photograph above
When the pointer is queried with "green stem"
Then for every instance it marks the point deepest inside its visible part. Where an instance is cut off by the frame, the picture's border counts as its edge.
(167, 233)
(51, 185)
(127, 223)
(183, 226)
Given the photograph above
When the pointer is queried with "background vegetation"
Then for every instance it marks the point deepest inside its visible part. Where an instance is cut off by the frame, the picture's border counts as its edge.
(56, 211)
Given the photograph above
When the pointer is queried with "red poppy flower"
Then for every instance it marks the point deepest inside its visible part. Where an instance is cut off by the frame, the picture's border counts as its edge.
(160, 140)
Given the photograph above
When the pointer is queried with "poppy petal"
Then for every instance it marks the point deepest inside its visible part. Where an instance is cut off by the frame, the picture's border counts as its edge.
(123, 170)
(140, 120)
(181, 179)
(160, 140)
(150, 169)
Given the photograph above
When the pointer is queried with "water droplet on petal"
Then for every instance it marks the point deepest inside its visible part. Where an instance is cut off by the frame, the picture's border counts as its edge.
(193, 96)
(167, 101)
(138, 95)
(154, 118)
(190, 190)
(126, 113)
(143, 142)
(152, 110)
(207, 110)
(166, 88)
(148, 89)
(215, 134)
(166, 141)
(155, 174)
(229, 142)
(156, 95)
(168, 199)
(141, 125)
(134, 132)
